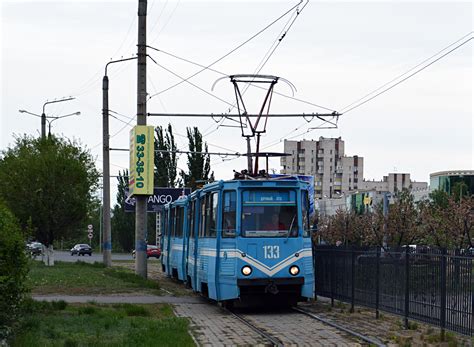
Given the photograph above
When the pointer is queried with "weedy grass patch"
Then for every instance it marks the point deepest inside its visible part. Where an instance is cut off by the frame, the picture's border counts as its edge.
(84, 278)
(102, 325)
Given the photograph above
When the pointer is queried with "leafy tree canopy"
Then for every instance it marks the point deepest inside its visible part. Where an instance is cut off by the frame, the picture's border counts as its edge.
(48, 184)
(123, 223)
(199, 164)
(165, 158)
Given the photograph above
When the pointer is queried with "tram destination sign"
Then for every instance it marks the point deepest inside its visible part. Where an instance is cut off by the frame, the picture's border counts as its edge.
(160, 197)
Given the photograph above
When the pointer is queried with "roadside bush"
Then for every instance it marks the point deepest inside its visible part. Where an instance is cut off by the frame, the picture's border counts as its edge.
(13, 271)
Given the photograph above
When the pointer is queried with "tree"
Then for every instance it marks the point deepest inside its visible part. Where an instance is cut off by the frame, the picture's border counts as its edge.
(448, 220)
(199, 165)
(48, 184)
(122, 223)
(165, 162)
(403, 220)
(13, 271)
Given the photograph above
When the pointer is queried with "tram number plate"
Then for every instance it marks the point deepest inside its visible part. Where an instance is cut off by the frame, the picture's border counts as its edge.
(271, 252)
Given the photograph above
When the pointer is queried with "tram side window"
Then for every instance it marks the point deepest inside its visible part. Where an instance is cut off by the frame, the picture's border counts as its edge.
(305, 212)
(179, 221)
(173, 222)
(202, 219)
(191, 219)
(164, 221)
(211, 215)
(229, 214)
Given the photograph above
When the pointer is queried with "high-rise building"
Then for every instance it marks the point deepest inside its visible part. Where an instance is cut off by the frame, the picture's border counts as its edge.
(334, 172)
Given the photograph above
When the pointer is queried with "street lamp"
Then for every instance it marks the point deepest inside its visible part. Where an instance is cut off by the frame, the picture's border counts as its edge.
(59, 117)
(52, 118)
(43, 115)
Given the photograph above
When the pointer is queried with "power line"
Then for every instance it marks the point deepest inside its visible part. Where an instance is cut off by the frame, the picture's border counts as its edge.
(183, 79)
(274, 46)
(122, 115)
(404, 79)
(253, 85)
(167, 21)
(234, 154)
(228, 53)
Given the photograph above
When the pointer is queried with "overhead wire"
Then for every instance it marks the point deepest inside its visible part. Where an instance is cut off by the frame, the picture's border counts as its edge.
(350, 107)
(88, 85)
(166, 22)
(155, 24)
(191, 83)
(228, 53)
(122, 115)
(253, 85)
(274, 46)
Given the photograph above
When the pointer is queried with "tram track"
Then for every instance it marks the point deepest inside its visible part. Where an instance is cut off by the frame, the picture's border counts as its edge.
(273, 341)
(370, 341)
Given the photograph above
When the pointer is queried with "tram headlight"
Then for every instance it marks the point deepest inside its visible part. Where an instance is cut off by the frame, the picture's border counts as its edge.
(246, 270)
(294, 270)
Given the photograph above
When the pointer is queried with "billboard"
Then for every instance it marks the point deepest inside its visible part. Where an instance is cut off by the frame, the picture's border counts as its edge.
(142, 150)
(160, 197)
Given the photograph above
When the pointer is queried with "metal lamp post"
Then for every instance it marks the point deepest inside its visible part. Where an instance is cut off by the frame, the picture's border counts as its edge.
(43, 114)
(59, 117)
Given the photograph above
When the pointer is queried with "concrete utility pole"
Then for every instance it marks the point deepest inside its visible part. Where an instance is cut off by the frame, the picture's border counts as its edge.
(107, 239)
(140, 206)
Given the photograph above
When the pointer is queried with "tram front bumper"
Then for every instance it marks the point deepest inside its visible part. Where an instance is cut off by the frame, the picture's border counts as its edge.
(274, 286)
(247, 282)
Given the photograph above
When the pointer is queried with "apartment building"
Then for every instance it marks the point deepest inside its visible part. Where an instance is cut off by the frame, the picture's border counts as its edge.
(393, 182)
(334, 172)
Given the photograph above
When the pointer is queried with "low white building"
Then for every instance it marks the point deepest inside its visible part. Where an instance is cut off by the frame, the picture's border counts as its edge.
(392, 183)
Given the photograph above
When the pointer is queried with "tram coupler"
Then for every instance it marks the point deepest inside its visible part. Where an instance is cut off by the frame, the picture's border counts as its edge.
(272, 288)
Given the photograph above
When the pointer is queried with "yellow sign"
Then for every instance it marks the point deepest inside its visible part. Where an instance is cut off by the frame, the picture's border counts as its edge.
(142, 153)
(367, 200)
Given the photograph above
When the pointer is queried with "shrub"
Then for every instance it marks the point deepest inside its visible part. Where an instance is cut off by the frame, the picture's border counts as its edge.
(13, 271)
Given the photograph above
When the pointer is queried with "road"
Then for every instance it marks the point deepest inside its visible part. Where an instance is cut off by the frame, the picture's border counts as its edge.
(66, 256)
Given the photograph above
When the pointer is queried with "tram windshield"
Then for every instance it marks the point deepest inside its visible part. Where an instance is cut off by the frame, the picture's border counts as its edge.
(269, 213)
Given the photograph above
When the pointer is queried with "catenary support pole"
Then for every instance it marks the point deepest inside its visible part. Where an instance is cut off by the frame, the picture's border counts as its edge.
(106, 243)
(140, 206)
(107, 239)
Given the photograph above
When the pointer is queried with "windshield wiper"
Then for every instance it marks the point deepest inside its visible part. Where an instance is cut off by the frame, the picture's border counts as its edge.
(291, 227)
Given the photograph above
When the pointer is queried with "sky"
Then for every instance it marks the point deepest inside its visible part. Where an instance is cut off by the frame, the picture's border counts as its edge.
(334, 54)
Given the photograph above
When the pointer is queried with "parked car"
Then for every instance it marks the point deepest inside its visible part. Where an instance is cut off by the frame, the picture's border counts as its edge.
(81, 249)
(151, 251)
(34, 248)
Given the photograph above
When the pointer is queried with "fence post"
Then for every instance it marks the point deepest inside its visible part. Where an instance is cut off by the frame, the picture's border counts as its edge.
(333, 269)
(442, 317)
(377, 284)
(407, 284)
(352, 279)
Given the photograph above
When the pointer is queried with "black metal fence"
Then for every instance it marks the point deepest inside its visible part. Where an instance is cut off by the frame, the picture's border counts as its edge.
(429, 285)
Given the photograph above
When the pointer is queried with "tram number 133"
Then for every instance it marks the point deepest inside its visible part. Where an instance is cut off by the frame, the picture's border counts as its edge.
(271, 252)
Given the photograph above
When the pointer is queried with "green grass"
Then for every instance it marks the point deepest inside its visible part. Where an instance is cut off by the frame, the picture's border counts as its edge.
(48, 324)
(83, 278)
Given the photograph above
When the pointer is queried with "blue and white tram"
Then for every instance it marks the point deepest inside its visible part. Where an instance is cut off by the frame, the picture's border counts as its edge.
(242, 240)
(174, 226)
